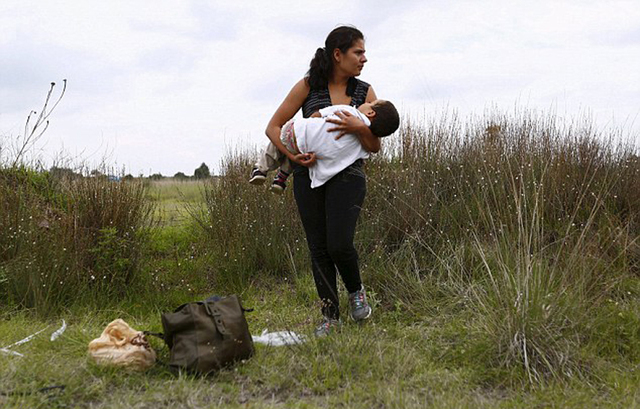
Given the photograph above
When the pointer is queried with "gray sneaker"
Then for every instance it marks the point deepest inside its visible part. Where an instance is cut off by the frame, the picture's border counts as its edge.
(326, 327)
(359, 309)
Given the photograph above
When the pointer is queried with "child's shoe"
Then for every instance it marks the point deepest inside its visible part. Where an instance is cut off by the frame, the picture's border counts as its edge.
(257, 177)
(279, 183)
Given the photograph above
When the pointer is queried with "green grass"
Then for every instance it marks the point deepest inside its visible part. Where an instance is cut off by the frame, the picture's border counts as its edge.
(172, 198)
(392, 361)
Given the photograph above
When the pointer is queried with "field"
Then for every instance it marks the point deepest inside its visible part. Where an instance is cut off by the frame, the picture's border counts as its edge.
(501, 258)
(172, 197)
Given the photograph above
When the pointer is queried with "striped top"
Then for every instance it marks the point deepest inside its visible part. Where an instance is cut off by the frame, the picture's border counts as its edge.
(320, 98)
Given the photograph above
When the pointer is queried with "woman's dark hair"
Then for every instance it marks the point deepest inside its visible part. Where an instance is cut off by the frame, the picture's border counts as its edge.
(386, 121)
(321, 66)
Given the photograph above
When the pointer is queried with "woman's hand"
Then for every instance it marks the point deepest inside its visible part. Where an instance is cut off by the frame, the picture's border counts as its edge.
(346, 124)
(305, 159)
(353, 125)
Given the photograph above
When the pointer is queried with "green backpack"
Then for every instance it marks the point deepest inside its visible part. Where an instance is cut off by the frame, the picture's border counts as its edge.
(208, 335)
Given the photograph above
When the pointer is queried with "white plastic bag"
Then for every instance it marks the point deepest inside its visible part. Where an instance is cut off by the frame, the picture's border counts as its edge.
(121, 345)
(278, 338)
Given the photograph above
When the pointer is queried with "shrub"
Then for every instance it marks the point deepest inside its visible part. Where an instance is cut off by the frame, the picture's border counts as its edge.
(69, 239)
(249, 231)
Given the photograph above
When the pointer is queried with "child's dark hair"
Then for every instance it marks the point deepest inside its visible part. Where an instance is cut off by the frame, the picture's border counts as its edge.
(321, 66)
(386, 121)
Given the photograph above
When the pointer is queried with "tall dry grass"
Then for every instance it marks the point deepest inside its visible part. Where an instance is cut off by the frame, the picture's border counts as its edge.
(524, 222)
(531, 223)
(248, 231)
(66, 240)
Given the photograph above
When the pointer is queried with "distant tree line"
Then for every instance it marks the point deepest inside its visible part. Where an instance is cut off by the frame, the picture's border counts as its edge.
(201, 172)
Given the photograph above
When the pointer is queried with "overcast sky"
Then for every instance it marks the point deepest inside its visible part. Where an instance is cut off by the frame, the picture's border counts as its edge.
(162, 86)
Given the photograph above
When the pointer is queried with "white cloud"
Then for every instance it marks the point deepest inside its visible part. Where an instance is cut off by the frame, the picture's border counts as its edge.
(166, 85)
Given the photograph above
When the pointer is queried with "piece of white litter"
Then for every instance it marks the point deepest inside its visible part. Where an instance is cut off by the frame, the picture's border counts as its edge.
(59, 331)
(25, 340)
(278, 338)
(8, 351)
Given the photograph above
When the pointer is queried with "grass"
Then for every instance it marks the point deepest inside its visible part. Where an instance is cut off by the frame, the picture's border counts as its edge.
(388, 363)
(171, 197)
(501, 256)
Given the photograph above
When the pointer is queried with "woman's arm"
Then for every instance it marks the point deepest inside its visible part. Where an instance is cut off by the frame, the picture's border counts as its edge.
(287, 109)
(350, 124)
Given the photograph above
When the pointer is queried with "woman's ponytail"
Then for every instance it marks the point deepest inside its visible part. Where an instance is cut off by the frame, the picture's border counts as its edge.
(319, 69)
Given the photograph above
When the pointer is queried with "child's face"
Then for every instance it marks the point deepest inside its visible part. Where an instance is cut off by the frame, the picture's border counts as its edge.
(367, 109)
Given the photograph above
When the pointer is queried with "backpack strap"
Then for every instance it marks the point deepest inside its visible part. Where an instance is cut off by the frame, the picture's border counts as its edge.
(161, 336)
(213, 311)
(155, 334)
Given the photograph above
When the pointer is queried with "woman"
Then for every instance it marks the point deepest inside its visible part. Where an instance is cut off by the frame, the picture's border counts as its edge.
(329, 213)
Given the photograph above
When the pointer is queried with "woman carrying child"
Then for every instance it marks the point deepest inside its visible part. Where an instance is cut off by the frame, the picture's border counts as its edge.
(329, 213)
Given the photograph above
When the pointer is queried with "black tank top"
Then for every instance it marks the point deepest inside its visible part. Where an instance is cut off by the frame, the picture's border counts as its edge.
(320, 98)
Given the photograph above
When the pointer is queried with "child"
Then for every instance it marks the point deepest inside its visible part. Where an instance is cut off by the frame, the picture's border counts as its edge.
(306, 135)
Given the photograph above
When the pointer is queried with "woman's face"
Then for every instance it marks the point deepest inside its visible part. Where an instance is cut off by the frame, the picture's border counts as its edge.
(352, 61)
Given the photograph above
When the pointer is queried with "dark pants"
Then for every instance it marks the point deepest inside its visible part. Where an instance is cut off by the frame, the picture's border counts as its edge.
(329, 214)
